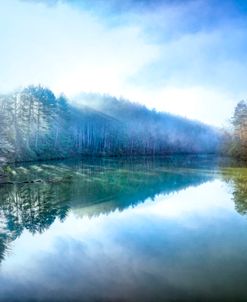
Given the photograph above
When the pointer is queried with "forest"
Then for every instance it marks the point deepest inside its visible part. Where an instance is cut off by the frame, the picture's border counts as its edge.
(235, 142)
(37, 125)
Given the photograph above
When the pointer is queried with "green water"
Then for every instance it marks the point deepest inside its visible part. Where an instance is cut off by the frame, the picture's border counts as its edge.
(164, 229)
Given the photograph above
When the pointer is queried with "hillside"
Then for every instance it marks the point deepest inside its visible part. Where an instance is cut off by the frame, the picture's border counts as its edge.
(35, 125)
(160, 132)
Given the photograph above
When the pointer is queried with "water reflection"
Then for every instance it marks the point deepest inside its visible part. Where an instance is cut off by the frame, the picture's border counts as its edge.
(121, 230)
(89, 187)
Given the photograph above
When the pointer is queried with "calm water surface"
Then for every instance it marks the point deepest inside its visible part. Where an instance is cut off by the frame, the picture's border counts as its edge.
(167, 229)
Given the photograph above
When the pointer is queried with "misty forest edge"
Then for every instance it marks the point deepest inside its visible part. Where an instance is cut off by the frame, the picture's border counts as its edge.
(36, 125)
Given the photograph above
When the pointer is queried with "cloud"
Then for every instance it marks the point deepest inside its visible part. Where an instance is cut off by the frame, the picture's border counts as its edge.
(155, 52)
(212, 58)
(67, 50)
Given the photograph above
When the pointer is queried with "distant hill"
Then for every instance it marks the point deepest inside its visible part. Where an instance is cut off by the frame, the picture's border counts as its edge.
(161, 132)
(35, 125)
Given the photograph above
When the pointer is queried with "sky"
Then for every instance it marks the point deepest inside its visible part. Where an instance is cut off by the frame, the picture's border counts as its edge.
(187, 57)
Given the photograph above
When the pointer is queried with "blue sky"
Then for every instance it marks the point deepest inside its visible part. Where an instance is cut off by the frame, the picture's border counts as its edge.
(185, 57)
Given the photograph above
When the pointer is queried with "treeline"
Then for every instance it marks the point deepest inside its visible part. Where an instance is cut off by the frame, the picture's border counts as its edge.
(235, 143)
(152, 132)
(36, 125)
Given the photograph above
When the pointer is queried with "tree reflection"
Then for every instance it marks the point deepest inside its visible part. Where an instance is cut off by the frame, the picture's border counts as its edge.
(32, 207)
(238, 179)
(80, 185)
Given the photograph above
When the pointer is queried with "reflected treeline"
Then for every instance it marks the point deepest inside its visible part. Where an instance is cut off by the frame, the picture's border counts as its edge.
(237, 176)
(32, 207)
(89, 187)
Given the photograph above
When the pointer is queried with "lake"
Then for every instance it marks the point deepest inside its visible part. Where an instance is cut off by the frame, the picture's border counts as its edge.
(164, 229)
